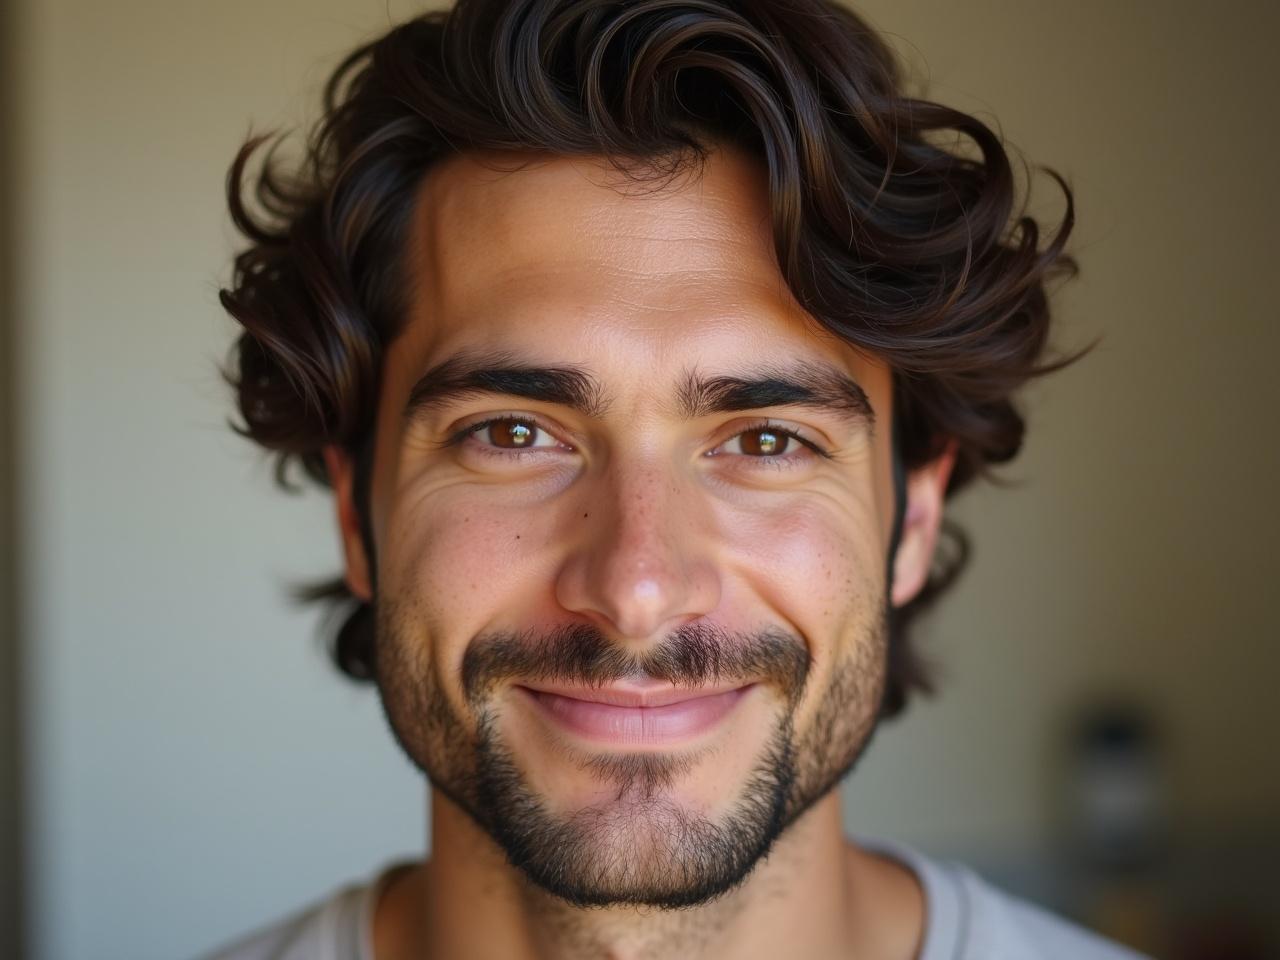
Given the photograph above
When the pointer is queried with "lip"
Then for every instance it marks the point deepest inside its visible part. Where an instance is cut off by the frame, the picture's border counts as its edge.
(622, 714)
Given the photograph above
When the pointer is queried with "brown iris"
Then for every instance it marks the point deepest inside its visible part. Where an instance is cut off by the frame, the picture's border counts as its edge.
(766, 442)
(512, 433)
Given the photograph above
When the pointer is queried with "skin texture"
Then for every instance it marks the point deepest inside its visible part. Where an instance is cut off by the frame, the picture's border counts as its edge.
(637, 526)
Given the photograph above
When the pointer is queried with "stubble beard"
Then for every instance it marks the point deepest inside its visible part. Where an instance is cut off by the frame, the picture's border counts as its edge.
(641, 847)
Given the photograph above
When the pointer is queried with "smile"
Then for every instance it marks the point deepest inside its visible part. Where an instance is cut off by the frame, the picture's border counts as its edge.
(620, 715)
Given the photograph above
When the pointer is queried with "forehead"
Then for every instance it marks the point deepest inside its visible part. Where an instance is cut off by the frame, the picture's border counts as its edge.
(535, 248)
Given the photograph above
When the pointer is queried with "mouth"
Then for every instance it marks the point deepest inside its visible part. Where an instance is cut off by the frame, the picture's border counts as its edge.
(635, 716)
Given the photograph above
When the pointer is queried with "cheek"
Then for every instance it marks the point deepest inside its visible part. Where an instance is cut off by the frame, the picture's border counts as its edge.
(816, 567)
(459, 564)
(457, 553)
(815, 562)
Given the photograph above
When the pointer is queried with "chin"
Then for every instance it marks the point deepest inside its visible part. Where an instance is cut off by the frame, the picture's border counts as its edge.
(650, 828)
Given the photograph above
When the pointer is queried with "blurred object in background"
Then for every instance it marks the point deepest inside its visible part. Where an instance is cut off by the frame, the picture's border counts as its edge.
(1117, 838)
(1117, 798)
(1130, 877)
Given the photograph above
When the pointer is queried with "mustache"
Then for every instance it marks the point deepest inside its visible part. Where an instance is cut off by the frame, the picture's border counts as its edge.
(694, 655)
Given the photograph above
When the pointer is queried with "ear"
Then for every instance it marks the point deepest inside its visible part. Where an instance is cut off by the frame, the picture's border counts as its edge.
(342, 475)
(926, 489)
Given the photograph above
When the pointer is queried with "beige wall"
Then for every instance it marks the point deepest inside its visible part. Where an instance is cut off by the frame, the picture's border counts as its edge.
(194, 765)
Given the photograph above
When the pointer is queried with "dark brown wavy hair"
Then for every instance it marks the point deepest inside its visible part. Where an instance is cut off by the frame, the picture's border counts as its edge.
(898, 223)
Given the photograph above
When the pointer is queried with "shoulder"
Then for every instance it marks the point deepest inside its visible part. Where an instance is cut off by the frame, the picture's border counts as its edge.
(968, 918)
(335, 928)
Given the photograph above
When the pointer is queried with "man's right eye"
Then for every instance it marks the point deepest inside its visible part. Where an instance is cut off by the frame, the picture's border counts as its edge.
(506, 436)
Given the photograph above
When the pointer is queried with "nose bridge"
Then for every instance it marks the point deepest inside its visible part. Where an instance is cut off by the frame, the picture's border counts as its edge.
(640, 498)
(643, 563)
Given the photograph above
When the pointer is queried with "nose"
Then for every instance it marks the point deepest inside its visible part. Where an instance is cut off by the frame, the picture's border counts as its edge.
(642, 565)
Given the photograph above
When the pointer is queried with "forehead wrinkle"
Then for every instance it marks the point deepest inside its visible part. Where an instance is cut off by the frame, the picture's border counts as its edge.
(479, 221)
(669, 273)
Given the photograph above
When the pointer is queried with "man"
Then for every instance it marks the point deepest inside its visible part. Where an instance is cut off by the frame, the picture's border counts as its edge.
(641, 344)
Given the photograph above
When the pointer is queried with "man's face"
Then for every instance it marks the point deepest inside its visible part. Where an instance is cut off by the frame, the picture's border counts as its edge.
(631, 533)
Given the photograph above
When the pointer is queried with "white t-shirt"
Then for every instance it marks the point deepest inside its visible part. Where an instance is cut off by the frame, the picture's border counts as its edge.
(966, 918)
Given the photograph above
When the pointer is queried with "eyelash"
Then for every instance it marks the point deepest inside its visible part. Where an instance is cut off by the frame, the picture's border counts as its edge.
(767, 462)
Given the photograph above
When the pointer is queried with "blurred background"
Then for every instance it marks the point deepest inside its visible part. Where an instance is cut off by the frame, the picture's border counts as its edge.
(179, 763)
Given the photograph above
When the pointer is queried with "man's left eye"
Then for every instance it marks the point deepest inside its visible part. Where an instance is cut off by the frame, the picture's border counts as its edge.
(769, 444)
(764, 441)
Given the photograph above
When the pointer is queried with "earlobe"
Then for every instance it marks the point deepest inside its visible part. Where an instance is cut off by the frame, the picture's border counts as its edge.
(341, 475)
(926, 490)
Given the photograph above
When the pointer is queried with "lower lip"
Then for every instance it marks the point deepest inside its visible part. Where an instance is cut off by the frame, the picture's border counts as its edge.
(605, 722)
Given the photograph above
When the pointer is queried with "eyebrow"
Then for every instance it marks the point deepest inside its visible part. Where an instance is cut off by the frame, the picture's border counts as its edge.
(807, 384)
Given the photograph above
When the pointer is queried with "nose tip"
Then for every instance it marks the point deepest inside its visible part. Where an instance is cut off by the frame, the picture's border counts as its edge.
(647, 606)
(642, 569)
(634, 601)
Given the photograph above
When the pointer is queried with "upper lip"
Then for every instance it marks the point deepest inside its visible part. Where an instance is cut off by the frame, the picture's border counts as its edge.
(623, 695)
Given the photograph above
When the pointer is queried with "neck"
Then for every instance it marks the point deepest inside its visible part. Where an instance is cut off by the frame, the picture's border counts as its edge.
(815, 895)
